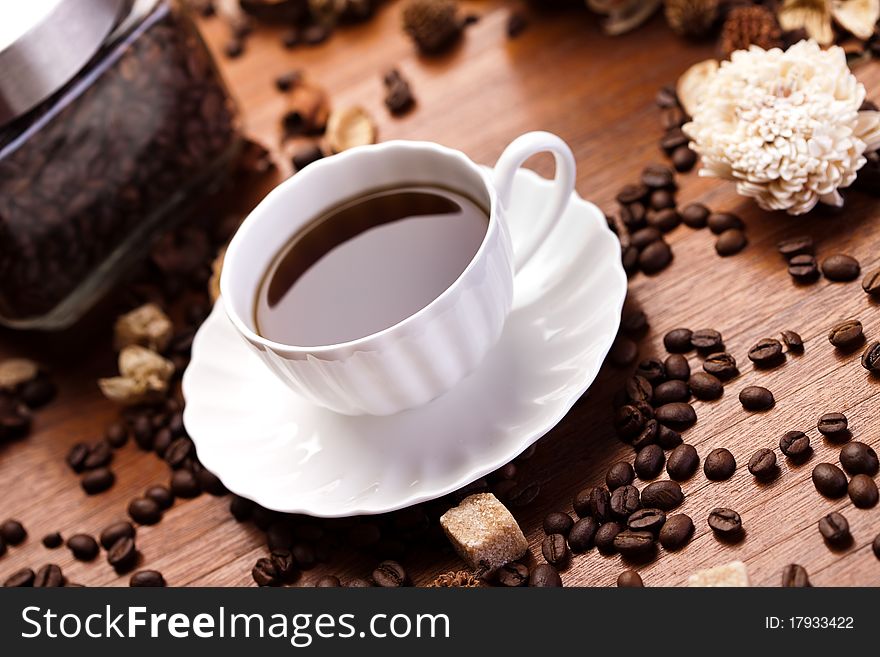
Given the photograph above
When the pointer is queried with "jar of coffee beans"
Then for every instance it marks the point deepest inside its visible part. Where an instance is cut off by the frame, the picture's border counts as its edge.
(112, 115)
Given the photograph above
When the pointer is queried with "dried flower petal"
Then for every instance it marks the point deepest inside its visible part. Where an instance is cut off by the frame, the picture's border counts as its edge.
(147, 326)
(350, 127)
(857, 16)
(691, 87)
(15, 371)
(814, 16)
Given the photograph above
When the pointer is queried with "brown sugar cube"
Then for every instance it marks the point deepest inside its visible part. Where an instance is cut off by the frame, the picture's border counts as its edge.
(483, 532)
(732, 574)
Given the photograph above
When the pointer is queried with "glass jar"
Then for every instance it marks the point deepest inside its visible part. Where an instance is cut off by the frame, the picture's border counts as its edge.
(92, 170)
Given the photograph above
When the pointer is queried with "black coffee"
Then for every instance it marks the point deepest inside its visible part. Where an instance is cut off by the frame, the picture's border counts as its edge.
(368, 263)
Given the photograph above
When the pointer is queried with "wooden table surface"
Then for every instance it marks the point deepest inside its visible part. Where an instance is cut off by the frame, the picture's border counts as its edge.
(563, 75)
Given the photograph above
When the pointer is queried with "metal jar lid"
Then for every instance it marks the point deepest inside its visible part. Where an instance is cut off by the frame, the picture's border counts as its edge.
(44, 43)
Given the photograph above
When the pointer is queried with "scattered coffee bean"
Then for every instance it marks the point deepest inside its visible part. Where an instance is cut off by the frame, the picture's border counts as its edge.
(762, 464)
(37, 392)
(678, 341)
(630, 194)
(677, 415)
(52, 540)
(83, 547)
(185, 485)
(683, 159)
(512, 574)
(644, 236)
(846, 334)
(667, 438)
(835, 529)
(720, 222)
(719, 464)
(677, 367)
(731, 242)
(795, 246)
(793, 342)
(658, 176)
(546, 576)
(795, 445)
(829, 480)
(583, 534)
(705, 386)
(147, 578)
(557, 522)
(12, 532)
(725, 522)
(624, 501)
(646, 436)
(123, 555)
(840, 268)
(634, 323)
(634, 545)
(795, 576)
(629, 257)
(358, 583)
(100, 454)
(707, 341)
(650, 520)
(858, 458)
(161, 495)
(114, 532)
(871, 358)
(581, 502)
(695, 215)
(663, 495)
(871, 282)
(652, 370)
(265, 573)
(655, 257)
(144, 511)
(619, 474)
(76, 457)
(210, 483)
(671, 391)
(756, 398)
(628, 422)
(390, 574)
(721, 365)
(605, 536)
(803, 268)
(661, 199)
(178, 452)
(676, 532)
(600, 504)
(673, 140)
(97, 480)
(665, 220)
(875, 546)
(629, 579)
(555, 549)
(830, 424)
(623, 352)
(634, 216)
(20, 579)
(766, 353)
(49, 576)
(279, 536)
(863, 491)
(649, 462)
(682, 462)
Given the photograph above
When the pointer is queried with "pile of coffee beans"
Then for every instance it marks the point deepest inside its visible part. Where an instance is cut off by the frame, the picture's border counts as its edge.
(800, 254)
(674, 142)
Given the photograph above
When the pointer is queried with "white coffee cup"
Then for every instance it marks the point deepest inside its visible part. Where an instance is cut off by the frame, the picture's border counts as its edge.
(426, 354)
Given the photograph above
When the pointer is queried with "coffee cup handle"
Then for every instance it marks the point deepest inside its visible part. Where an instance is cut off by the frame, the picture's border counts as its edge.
(519, 150)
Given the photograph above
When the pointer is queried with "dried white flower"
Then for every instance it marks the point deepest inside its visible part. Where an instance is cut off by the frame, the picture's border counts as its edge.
(147, 326)
(785, 126)
(144, 377)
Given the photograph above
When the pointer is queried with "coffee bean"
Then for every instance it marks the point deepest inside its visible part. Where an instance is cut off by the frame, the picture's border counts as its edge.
(147, 578)
(720, 222)
(863, 491)
(634, 323)
(655, 257)
(846, 334)
(639, 389)
(359, 583)
(719, 464)
(677, 367)
(671, 391)
(762, 464)
(667, 438)
(97, 480)
(161, 495)
(766, 353)
(683, 159)
(705, 386)
(555, 549)
(858, 458)
(38, 392)
(646, 436)
(178, 452)
(76, 457)
(279, 536)
(871, 358)
(144, 511)
(673, 140)
(634, 545)
(830, 424)
(793, 342)
(676, 532)
(123, 555)
(721, 365)
(829, 480)
(663, 495)
(600, 504)
(875, 546)
(629, 194)
(678, 341)
(557, 522)
(795, 246)
(835, 529)
(664, 220)
(658, 176)
(695, 215)
(624, 501)
(100, 454)
(619, 474)
(803, 268)
(53, 540)
(678, 415)
(605, 536)
(725, 522)
(12, 532)
(650, 520)
(162, 441)
(83, 547)
(21, 578)
(581, 502)
(210, 483)
(682, 462)
(185, 485)
(513, 574)
(731, 242)
(629, 579)
(114, 532)
(795, 576)
(241, 508)
(49, 576)
(582, 534)
(265, 573)
(756, 398)
(628, 422)
(546, 576)
(644, 236)
(795, 445)
(652, 371)
(840, 268)
(707, 341)
(390, 574)
(305, 555)
(661, 199)
(634, 216)
(649, 462)
(871, 282)
(623, 352)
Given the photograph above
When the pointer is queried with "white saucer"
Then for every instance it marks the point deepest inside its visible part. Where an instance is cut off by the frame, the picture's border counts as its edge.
(285, 454)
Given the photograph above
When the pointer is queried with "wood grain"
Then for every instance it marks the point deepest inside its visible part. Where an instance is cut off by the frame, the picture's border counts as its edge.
(565, 76)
